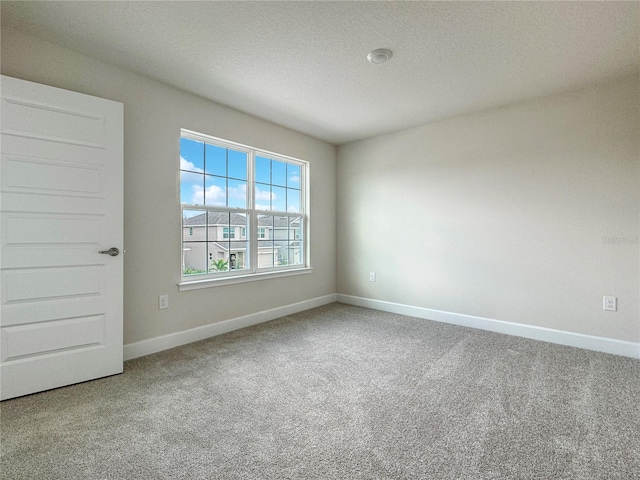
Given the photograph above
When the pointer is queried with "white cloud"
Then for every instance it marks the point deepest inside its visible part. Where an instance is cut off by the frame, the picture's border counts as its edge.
(215, 195)
(294, 179)
(198, 195)
(239, 192)
(265, 195)
(187, 165)
(292, 209)
(188, 177)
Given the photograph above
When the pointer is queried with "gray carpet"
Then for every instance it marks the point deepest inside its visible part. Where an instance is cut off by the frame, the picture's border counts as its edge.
(339, 392)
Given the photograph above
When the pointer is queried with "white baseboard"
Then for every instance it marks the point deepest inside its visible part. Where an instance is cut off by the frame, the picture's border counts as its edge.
(588, 342)
(165, 342)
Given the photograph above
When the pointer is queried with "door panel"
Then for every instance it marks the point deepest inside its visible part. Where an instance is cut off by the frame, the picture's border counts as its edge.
(41, 338)
(39, 119)
(47, 228)
(21, 285)
(33, 175)
(61, 203)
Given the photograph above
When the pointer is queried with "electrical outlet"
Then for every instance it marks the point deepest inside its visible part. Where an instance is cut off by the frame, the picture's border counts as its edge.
(372, 276)
(610, 303)
(163, 301)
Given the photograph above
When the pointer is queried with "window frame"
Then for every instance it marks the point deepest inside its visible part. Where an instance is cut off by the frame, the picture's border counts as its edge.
(229, 233)
(254, 271)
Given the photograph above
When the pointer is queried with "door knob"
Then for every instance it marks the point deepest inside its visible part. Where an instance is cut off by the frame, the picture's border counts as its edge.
(113, 251)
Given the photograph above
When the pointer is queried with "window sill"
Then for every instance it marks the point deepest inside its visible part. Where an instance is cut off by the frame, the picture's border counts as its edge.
(253, 277)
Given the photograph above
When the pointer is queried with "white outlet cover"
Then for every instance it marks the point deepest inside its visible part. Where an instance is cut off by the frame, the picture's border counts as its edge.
(163, 302)
(609, 303)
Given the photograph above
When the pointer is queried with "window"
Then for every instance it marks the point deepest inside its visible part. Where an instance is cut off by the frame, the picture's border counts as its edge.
(243, 210)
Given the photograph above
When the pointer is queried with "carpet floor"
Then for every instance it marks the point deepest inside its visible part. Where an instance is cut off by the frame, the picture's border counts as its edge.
(339, 392)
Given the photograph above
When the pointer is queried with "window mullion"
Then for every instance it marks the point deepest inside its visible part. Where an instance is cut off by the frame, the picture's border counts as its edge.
(305, 196)
(253, 218)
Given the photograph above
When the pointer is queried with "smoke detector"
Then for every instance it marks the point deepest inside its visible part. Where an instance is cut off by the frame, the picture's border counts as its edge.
(379, 55)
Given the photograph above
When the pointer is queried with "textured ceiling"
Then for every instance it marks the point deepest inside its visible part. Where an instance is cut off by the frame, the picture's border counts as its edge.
(303, 64)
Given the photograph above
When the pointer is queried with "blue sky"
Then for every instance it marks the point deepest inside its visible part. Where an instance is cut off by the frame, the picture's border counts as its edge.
(216, 176)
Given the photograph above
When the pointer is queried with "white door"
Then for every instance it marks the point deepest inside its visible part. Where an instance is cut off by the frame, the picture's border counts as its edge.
(61, 203)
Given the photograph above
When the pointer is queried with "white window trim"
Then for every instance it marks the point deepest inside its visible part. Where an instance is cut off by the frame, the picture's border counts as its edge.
(233, 279)
(194, 282)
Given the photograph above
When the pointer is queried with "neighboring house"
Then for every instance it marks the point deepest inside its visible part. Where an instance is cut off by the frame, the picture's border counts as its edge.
(223, 236)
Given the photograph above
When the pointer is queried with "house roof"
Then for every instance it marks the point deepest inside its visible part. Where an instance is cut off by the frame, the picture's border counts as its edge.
(231, 245)
(217, 218)
(238, 220)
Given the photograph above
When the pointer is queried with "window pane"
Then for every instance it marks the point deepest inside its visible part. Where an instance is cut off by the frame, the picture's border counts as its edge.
(238, 221)
(237, 164)
(194, 253)
(263, 170)
(191, 188)
(279, 199)
(191, 155)
(263, 197)
(278, 173)
(215, 191)
(193, 225)
(216, 160)
(217, 221)
(295, 253)
(194, 258)
(281, 256)
(238, 256)
(265, 253)
(280, 228)
(190, 214)
(238, 250)
(265, 226)
(295, 228)
(218, 256)
(237, 194)
(293, 175)
(293, 200)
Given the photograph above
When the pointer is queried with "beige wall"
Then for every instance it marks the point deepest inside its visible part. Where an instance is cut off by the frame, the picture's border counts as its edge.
(527, 214)
(153, 116)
